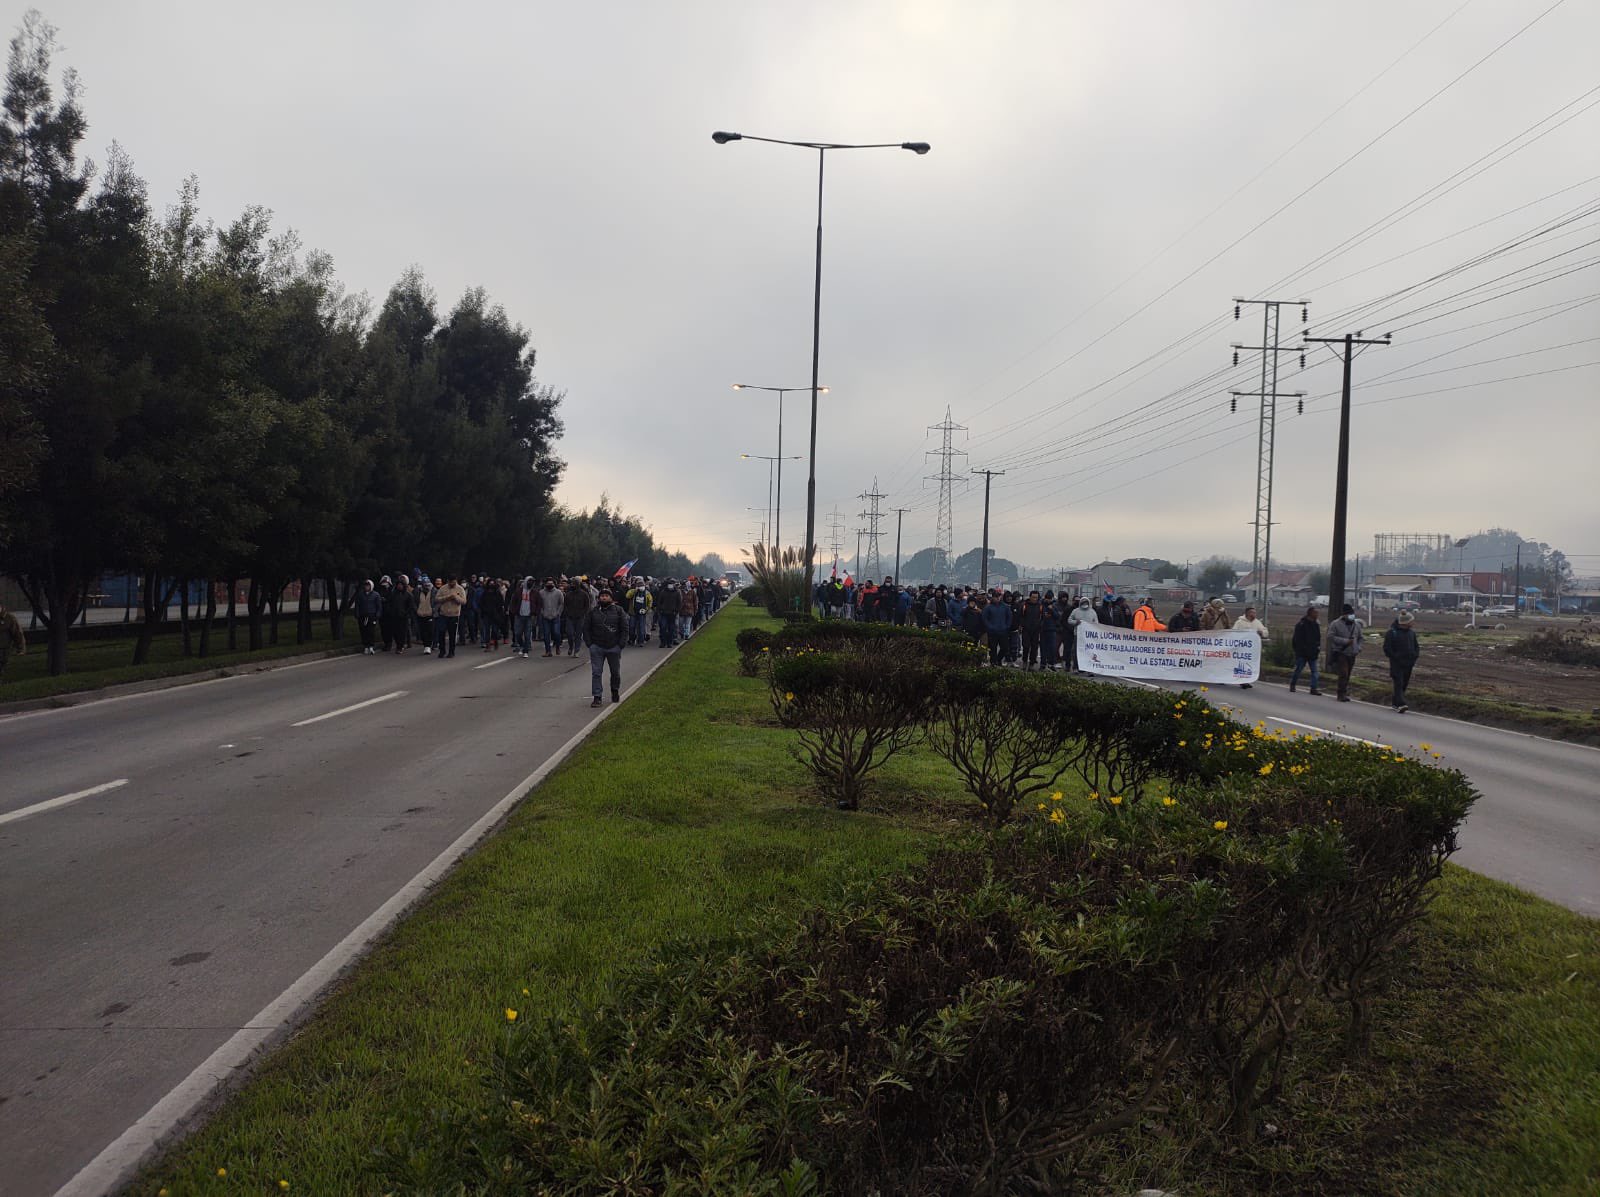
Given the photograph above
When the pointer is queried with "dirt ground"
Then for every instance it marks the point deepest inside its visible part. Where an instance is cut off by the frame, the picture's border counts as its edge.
(1473, 661)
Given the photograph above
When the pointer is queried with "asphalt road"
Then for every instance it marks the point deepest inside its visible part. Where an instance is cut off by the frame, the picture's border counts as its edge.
(244, 829)
(1537, 824)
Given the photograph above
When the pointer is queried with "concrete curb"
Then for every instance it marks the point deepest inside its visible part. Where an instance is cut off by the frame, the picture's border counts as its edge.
(78, 698)
(231, 1064)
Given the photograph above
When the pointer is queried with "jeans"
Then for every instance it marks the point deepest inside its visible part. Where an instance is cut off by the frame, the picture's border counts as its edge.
(369, 628)
(572, 631)
(599, 657)
(445, 630)
(1030, 649)
(469, 625)
(1299, 664)
(667, 625)
(685, 626)
(549, 633)
(639, 629)
(522, 633)
(1047, 648)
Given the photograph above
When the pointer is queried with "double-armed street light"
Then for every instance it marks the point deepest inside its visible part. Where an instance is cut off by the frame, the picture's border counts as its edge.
(771, 525)
(822, 148)
(777, 518)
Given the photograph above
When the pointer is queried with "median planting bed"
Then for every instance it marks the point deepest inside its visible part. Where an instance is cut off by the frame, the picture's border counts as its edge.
(1075, 938)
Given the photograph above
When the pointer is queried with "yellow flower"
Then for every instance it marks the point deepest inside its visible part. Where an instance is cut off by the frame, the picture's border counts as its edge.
(788, 696)
(766, 650)
(1220, 825)
(1169, 801)
(525, 993)
(283, 1184)
(1115, 800)
(1093, 794)
(1041, 806)
(1057, 817)
(161, 1193)
(1265, 769)
(1425, 747)
(222, 1172)
(1056, 797)
(511, 1015)
(1183, 743)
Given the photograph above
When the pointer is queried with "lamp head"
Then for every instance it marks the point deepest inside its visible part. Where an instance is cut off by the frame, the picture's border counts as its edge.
(822, 390)
(738, 386)
(916, 147)
(722, 138)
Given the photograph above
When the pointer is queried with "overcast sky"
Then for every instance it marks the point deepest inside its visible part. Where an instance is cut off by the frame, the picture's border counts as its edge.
(1059, 271)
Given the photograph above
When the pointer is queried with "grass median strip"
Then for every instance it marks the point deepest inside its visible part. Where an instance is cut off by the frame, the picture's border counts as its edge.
(682, 815)
(685, 814)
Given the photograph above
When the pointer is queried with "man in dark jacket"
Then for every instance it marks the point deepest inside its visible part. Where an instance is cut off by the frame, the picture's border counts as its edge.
(575, 606)
(1307, 648)
(1401, 647)
(605, 631)
(369, 610)
(997, 626)
(669, 604)
(1186, 620)
(1030, 622)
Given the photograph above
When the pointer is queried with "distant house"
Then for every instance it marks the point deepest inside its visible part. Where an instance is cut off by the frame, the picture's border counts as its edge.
(1123, 579)
(1287, 586)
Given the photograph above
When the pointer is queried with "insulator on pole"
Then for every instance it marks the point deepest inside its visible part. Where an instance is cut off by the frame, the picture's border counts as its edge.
(1236, 309)
(1302, 359)
(1233, 405)
(1300, 407)
(1236, 357)
(1305, 315)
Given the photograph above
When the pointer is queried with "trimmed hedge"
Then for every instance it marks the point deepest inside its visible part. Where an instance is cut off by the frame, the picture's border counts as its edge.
(979, 1023)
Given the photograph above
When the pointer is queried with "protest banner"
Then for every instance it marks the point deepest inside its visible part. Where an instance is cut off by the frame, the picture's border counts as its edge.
(1224, 658)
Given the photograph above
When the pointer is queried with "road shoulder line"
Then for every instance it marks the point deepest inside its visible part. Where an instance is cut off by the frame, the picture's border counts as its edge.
(119, 1160)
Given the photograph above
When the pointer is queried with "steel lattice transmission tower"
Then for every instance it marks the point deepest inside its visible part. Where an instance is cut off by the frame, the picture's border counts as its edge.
(835, 536)
(873, 566)
(1266, 433)
(944, 530)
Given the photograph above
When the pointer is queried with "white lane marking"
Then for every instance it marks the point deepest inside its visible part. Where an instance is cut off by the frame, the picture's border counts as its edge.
(117, 1162)
(1328, 731)
(352, 707)
(38, 808)
(493, 663)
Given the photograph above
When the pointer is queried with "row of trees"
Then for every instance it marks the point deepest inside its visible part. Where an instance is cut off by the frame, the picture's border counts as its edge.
(186, 401)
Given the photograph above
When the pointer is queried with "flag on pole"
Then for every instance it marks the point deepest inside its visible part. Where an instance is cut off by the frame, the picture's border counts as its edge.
(622, 570)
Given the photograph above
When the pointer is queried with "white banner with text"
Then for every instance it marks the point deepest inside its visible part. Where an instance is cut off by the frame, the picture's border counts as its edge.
(1224, 658)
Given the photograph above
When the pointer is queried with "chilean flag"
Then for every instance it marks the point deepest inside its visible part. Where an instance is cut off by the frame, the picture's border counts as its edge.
(622, 570)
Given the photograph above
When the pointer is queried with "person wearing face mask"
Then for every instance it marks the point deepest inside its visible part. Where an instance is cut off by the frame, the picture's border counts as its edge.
(1083, 613)
(369, 610)
(550, 605)
(669, 604)
(605, 631)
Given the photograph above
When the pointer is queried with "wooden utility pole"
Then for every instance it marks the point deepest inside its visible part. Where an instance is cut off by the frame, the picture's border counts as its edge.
(983, 568)
(1341, 485)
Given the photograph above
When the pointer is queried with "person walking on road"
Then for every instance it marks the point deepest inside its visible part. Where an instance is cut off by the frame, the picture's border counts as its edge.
(688, 606)
(1144, 619)
(1249, 623)
(1401, 647)
(12, 639)
(425, 614)
(448, 602)
(1307, 648)
(669, 602)
(1344, 645)
(575, 606)
(548, 605)
(369, 611)
(492, 613)
(605, 631)
(398, 608)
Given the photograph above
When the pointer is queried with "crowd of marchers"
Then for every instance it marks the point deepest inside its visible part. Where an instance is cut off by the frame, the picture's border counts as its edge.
(1038, 630)
(564, 614)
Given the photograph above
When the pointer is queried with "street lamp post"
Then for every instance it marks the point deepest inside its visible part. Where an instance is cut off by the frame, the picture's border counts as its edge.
(777, 517)
(770, 524)
(822, 147)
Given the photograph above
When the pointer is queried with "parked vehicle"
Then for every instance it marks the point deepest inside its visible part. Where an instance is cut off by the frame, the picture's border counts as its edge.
(1497, 611)
(1407, 605)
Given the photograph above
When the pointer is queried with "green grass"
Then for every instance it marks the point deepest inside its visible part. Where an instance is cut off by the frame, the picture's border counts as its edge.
(681, 816)
(685, 816)
(95, 664)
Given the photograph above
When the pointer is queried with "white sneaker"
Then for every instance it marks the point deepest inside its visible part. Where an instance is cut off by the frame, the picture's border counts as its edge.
(427, 651)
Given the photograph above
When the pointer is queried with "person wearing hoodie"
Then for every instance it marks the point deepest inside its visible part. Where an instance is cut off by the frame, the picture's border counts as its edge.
(688, 606)
(424, 597)
(997, 626)
(369, 612)
(669, 602)
(1400, 645)
(1083, 613)
(548, 604)
(1031, 623)
(398, 609)
(1215, 617)
(1050, 639)
(575, 606)
(492, 613)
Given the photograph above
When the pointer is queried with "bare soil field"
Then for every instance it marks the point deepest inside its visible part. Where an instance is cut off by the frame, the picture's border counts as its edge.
(1472, 664)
